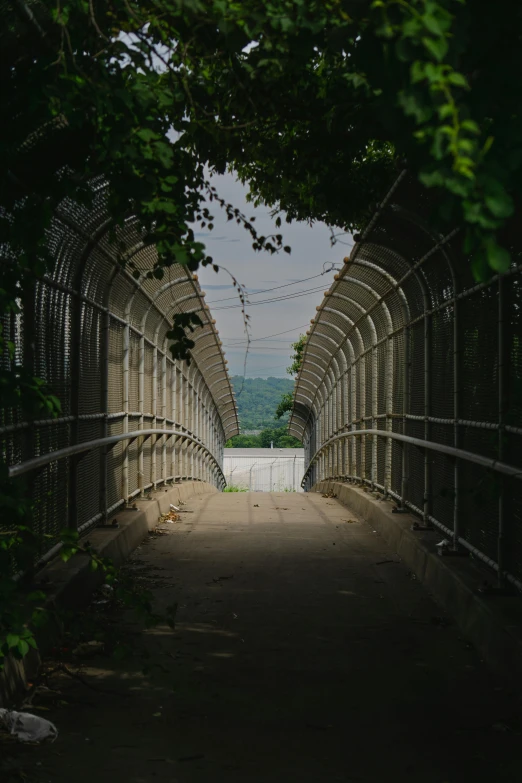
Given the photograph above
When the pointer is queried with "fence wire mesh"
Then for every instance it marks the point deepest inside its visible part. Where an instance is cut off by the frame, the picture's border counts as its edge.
(425, 353)
(97, 337)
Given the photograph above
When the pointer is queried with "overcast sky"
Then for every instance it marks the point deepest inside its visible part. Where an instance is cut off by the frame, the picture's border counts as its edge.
(231, 246)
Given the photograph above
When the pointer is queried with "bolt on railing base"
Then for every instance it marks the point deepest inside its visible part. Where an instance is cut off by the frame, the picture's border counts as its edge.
(420, 526)
(445, 549)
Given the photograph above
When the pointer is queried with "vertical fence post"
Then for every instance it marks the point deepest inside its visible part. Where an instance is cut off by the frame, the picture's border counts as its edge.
(29, 305)
(125, 401)
(181, 392)
(426, 506)
(502, 365)
(154, 411)
(188, 421)
(192, 392)
(362, 393)
(456, 412)
(141, 406)
(164, 473)
(344, 409)
(104, 408)
(250, 479)
(76, 351)
(203, 433)
(174, 442)
(389, 413)
(353, 416)
(375, 411)
(405, 411)
(196, 425)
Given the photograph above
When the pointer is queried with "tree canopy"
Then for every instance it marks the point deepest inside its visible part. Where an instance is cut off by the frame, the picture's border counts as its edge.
(258, 399)
(287, 399)
(314, 104)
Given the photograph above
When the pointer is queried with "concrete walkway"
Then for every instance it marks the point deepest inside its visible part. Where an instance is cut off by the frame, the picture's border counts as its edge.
(304, 651)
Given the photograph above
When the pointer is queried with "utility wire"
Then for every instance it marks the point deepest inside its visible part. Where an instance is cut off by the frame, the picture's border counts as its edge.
(266, 290)
(256, 339)
(306, 292)
(260, 348)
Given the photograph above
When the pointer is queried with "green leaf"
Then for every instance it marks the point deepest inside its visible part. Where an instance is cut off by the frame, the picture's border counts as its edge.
(438, 47)
(12, 640)
(498, 257)
(147, 135)
(445, 111)
(432, 24)
(458, 79)
(22, 647)
(470, 126)
(500, 204)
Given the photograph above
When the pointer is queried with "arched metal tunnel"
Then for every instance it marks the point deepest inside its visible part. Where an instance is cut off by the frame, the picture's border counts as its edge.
(132, 418)
(290, 622)
(411, 381)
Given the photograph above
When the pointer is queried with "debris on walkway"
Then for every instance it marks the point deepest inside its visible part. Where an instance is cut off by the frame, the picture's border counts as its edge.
(171, 516)
(278, 636)
(27, 727)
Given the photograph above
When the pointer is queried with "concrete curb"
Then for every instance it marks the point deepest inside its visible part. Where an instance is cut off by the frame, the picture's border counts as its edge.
(492, 624)
(73, 582)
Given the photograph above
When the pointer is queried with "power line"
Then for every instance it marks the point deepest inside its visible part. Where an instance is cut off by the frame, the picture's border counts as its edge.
(260, 348)
(306, 292)
(266, 290)
(256, 339)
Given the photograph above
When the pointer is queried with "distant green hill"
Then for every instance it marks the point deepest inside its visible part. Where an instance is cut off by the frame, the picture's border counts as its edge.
(258, 401)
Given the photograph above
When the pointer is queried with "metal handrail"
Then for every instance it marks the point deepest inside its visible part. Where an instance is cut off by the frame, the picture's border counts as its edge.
(487, 462)
(90, 445)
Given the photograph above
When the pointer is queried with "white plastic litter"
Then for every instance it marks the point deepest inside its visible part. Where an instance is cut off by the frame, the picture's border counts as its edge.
(27, 727)
(173, 507)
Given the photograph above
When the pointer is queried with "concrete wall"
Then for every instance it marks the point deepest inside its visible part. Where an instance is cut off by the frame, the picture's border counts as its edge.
(273, 472)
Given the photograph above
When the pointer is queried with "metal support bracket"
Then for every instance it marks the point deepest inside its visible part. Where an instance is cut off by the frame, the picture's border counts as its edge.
(114, 525)
(445, 549)
(421, 526)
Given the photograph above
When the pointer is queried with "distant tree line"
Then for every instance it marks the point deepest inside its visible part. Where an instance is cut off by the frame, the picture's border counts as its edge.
(277, 435)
